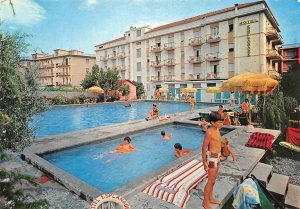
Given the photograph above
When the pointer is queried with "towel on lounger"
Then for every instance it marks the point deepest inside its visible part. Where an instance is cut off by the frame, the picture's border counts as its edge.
(174, 186)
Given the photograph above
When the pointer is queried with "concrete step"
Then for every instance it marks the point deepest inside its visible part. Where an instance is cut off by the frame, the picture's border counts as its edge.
(262, 172)
(278, 185)
(292, 196)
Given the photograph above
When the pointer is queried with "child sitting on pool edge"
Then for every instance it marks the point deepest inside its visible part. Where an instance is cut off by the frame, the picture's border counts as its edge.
(226, 151)
(165, 136)
(179, 152)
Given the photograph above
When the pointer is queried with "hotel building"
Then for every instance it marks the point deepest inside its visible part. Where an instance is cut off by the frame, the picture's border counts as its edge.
(290, 54)
(62, 68)
(199, 52)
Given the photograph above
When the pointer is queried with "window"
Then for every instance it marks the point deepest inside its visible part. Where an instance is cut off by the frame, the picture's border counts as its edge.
(100, 47)
(291, 54)
(138, 43)
(182, 55)
(230, 27)
(87, 70)
(171, 86)
(197, 53)
(183, 86)
(138, 33)
(215, 31)
(138, 53)
(211, 84)
(231, 47)
(182, 37)
(87, 61)
(197, 85)
(139, 66)
(231, 67)
(139, 79)
(215, 68)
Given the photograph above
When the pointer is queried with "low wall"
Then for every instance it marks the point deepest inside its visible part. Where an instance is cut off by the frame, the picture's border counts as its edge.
(69, 95)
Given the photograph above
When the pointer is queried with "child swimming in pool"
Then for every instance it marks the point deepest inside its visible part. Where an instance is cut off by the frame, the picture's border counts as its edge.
(125, 147)
(165, 136)
(179, 152)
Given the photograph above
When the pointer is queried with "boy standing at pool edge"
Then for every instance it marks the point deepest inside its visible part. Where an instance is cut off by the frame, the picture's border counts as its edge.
(211, 150)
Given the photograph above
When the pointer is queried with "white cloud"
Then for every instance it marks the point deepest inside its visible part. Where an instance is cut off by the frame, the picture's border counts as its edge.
(88, 4)
(27, 12)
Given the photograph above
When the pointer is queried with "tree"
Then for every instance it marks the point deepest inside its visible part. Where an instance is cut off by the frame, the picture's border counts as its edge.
(91, 78)
(108, 80)
(139, 89)
(289, 82)
(19, 101)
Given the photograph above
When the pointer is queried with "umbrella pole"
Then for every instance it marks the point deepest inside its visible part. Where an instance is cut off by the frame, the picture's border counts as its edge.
(263, 110)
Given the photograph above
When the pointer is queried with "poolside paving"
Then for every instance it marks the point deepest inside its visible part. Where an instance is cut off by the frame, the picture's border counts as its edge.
(230, 175)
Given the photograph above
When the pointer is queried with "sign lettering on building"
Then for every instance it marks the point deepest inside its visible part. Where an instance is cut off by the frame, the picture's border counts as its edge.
(246, 22)
(248, 41)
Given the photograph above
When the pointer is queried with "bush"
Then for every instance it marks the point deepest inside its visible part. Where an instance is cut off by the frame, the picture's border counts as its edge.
(59, 100)
(290, 103)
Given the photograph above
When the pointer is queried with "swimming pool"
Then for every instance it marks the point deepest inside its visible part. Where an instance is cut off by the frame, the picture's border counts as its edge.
(107, 174)
(60, 120)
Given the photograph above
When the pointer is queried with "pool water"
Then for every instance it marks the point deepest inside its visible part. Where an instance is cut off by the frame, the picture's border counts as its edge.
(60, 120)
(108, 174)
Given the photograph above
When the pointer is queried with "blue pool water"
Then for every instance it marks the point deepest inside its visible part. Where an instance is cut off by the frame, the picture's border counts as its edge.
(60, 120)
(151, 153)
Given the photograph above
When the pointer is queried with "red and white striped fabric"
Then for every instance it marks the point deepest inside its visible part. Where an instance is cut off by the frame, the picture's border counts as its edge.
(174, 186)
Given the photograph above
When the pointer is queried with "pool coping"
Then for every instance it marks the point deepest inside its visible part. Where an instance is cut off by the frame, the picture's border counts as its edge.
(105, 133)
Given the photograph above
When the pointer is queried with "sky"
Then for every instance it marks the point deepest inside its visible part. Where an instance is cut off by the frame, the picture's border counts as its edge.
(82, 24)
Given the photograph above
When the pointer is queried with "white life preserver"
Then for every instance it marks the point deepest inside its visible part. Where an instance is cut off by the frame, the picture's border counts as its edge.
(109, 198)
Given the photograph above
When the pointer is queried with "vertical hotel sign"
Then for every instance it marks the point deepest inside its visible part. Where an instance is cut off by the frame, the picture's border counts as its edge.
(248, 22)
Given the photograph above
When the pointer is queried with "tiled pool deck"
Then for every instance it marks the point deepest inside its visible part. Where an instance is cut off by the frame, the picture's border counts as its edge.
(229, 176)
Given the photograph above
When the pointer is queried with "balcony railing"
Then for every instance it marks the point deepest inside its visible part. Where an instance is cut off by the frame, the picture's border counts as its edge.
(213, 57)
(156, 63)
(196, 77)
(121, 55)
(63, 74)
(169, 78)
(272, 33)
(103, 58)
(211, 38)
(45, 75)
(121, 68)
(63, 64)
(214, 76)
(169, 46)
(112, 56)
(196, 41)
(273, 54)
(169, 62)
(156, 48)
(47, 66)
(157, 78)
(195, 59)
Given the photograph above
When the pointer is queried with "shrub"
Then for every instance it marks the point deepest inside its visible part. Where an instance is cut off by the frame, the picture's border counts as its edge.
(59, 100)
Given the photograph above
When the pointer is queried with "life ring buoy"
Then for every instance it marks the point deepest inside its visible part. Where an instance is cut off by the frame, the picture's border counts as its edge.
(96, 204)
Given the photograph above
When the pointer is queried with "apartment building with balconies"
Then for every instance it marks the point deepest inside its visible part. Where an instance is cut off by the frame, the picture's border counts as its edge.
(290, 54)
(61, 68)
(201, 51)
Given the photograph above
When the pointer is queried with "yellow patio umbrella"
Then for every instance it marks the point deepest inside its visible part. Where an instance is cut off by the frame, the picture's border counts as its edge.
(95, 90)
(190, 90)
(214, 90)
(163, 90)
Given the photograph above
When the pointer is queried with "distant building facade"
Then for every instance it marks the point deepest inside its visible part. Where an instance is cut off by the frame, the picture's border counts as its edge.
(290, 54)
(198, 52)
(61, 68)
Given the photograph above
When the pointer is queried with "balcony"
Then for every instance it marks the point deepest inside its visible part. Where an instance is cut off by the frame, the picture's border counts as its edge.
(46, 75)
(156, 49)
(169, 62)
(103, 58)
(156, 63)
(121, 55)
(63, 74)
(169, 78)
(212, 38)
(196, 41)
(195, 59)
(121, 68)
(169, 46)
(273, 54)
(196, 77)
(157, 78)
(212, 57)
(47, 66)
(213, 76)
(112, 56)
(272, 33)
(64, 64)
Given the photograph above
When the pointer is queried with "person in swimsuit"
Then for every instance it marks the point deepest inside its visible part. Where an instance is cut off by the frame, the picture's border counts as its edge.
(227, 120)
(203, 124)
(211, 150)
(226, 151)
(153, 113)
(125, 147)
(165, 136)
(179, 152)
(192, 103)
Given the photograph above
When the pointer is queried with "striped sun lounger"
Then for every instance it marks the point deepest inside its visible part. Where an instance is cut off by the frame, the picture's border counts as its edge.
(174, 186)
